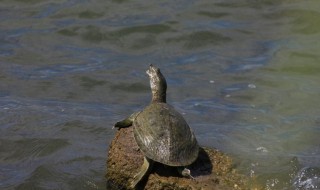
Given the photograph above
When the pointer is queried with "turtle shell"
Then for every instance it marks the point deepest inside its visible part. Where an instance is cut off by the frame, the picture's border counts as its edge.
(164, 136)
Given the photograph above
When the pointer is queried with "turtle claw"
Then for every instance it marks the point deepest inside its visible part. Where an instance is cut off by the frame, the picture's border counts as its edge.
(117, 125)
(186, 173)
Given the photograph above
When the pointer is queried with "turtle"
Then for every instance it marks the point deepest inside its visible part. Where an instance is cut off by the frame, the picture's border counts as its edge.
(161, 132)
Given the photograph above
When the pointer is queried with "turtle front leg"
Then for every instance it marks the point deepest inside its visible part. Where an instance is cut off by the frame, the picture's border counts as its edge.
(185, 172)
(144, 170)
(123, 124)
(126, 122)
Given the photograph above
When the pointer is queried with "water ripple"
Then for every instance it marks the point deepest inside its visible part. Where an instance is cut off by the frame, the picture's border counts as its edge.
(262, 57)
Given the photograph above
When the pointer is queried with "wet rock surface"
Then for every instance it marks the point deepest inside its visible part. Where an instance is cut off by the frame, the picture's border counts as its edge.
(212, 170)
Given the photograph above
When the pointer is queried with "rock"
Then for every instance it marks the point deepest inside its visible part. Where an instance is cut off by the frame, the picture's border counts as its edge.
(212, 170)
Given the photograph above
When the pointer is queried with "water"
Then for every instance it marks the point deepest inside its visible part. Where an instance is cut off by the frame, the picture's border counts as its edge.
(244, 73)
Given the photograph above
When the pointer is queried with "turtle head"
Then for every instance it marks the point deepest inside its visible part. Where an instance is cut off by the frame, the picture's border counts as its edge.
(158, 84)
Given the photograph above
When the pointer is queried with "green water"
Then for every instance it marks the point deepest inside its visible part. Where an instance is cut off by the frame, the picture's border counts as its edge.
(245, 74)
